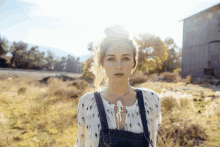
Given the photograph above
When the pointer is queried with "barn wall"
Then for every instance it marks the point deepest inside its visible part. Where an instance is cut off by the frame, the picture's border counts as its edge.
(198, 31)
(214, 57)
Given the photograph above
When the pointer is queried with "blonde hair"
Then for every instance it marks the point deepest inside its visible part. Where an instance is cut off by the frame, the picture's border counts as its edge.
(114, 34)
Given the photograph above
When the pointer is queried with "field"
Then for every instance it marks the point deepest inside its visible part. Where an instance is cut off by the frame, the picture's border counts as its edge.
(45, 115)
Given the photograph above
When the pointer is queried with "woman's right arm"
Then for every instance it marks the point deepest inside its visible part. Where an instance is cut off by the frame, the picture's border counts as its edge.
(80, 141)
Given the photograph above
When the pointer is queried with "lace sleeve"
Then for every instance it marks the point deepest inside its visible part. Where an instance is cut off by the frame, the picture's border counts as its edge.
(156, 120)
(80, 141)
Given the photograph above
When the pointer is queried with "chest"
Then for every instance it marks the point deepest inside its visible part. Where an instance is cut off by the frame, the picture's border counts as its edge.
(120, 122)
(128, 100)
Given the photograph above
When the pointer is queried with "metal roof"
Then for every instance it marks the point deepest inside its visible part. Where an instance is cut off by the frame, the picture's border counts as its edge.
(202, 11)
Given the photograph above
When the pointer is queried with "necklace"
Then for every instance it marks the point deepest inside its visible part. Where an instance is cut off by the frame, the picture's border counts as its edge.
(120, 106)
(118, 97)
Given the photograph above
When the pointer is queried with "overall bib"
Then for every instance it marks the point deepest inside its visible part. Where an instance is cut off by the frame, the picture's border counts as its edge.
(119, 138)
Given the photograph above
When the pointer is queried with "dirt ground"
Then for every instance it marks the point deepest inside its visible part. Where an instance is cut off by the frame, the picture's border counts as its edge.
(214, 88)
(193, 88)
(4, 74)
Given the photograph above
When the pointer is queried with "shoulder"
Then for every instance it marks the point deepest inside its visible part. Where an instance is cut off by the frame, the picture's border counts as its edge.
(152, 100)
(150, 93)
(87, 97)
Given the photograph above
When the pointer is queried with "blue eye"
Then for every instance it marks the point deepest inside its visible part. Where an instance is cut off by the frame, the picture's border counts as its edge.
(110, 59)
(113, 58)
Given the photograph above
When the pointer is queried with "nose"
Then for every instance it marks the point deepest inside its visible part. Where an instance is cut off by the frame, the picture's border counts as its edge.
(118, 65)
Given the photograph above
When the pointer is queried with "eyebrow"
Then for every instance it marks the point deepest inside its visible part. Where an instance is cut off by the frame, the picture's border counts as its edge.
(122, 55)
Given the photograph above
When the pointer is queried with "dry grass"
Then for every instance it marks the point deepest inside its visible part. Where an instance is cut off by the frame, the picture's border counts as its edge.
(34, 115)
(180, 127)
(188, 118)
(38, 115)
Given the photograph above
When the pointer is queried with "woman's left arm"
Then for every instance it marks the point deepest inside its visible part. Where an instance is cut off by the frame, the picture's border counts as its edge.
(156, 120)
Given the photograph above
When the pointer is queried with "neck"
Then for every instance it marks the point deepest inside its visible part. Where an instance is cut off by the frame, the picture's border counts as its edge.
(118, 89)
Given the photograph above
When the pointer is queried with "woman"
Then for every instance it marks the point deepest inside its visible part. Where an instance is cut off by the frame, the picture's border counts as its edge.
(119, 114)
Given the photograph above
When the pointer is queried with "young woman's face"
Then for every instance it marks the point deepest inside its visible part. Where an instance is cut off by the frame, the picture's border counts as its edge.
(118, 59)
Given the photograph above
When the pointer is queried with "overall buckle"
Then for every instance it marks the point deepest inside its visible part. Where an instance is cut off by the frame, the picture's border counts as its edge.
(107, 139)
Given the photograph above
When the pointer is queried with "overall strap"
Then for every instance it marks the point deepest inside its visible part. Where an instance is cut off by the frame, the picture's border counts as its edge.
(143, 115)
(103, 120)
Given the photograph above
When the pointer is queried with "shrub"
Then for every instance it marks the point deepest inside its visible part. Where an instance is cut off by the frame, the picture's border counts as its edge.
(170, 77)
(80, 84)
(153, 78)
(212, 108)
(68, 93)
(181, 134)
(177, 71)
(88, 75)
(180, 125)
(188, 79)
(62, 91)
(168, 104)
(137, 77)
(22, 90)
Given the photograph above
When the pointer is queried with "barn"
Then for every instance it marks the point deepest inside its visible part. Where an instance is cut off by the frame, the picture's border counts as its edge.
(201, 44)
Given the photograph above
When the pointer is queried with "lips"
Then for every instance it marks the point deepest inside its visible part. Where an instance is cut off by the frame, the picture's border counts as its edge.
(119, 74)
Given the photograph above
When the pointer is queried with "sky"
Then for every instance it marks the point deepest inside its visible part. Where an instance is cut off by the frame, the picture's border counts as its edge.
(69, 25)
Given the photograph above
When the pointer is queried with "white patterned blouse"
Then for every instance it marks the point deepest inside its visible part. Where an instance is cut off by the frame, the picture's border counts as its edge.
(89, 124)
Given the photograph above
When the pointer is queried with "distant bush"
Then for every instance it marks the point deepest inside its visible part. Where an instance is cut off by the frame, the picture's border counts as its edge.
(62, 91)
(170, 77)
(80, 84)
(188, 79)
(137, 77)
(177, 71)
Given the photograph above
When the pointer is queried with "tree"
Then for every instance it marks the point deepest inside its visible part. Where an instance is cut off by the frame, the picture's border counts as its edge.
(87, 64)
(19, 51)
(92, 46)
(77, 64)
(152, 52)
(80, 68)
(3, 63)
(71, 64)
(4, 48)
(27, 59)
(36, 59)
(3, 51)
(174, 58)
(60, 65)
(50, 60)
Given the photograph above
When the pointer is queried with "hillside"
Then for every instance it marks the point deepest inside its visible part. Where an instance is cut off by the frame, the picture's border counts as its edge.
(58, 53)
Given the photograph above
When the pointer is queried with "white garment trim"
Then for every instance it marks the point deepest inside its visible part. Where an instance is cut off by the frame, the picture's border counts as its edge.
(118, 115)
(113, 105)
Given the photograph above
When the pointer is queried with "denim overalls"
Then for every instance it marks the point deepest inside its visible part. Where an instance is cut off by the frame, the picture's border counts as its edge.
(119, 138)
